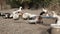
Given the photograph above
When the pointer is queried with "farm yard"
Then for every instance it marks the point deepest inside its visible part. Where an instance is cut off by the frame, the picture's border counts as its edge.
(10, 26)
(34, 16)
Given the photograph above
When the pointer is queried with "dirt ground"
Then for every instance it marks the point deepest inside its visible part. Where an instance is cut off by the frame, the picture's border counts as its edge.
(10, 26)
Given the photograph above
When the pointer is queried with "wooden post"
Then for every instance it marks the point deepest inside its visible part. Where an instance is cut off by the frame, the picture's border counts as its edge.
(1, 4)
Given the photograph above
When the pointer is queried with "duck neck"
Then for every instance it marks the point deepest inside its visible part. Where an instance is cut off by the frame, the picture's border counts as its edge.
(20, 9)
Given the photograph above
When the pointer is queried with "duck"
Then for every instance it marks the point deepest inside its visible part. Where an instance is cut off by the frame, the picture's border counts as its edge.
(56, 25)
(33, 20)
(57, 16)
(32, 15)
(16, 14)
(44, 10)
(26, 15)
(19, 10)
(44, 13)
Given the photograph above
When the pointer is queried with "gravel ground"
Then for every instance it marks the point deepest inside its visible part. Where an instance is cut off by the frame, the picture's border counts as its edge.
(10, 26)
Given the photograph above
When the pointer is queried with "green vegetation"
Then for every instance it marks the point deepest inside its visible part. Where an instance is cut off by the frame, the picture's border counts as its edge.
(32, 3)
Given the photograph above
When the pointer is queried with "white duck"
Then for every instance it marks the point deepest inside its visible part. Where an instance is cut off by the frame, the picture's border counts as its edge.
(20, 10)
(15, 14)
(45, 11)
(32, 16)
(58, 17)
(26, 15)
(33, 20)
